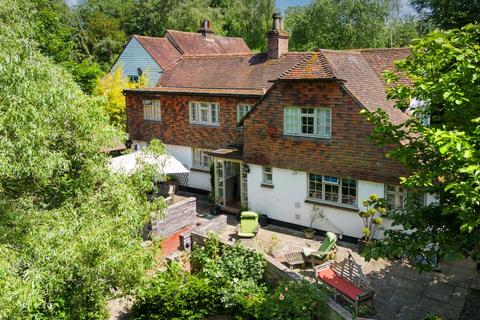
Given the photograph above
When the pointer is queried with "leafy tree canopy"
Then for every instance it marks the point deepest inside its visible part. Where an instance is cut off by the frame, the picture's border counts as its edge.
(69, 228)
(345, 24)
(448, 14)
(444, 157)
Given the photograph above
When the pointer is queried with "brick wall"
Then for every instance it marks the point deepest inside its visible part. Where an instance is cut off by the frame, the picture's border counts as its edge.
(348, 153)
(175, 127)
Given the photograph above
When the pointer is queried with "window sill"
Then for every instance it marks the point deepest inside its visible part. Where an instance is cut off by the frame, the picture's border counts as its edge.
(332, 204)
(153, 121)
(266, 185)
(307, 137)
(200, 170)
(213, 125)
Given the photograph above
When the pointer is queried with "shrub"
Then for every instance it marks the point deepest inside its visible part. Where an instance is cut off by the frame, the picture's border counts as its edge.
(175, 294)
(295, 300)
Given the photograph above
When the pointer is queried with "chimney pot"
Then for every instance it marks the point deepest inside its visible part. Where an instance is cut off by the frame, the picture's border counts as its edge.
(277, 38)
(205, 27)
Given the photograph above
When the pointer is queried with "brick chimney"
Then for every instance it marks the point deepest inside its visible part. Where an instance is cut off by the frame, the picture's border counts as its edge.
(277, 38)
(205, 27)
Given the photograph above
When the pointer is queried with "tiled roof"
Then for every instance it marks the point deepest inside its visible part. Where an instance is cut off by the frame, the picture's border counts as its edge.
(228, 71)
(201, 91)
(362, 81)
(384, 59)
(161, 50)
(197, 43)
(313, 66)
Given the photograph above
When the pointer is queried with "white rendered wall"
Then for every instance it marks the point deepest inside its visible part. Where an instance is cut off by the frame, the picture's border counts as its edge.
(286, 201)
(196, 179)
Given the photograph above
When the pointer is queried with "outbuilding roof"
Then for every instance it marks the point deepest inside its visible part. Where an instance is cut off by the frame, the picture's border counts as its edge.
(199, 43)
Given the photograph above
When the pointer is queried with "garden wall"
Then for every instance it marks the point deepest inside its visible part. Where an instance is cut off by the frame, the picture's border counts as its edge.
(179, 218)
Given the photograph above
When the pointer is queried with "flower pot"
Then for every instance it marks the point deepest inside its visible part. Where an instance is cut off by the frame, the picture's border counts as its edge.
(263, 220)
(309, 233)
(362, 244)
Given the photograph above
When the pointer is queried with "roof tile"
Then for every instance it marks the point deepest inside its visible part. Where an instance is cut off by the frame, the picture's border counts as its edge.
(161, 50)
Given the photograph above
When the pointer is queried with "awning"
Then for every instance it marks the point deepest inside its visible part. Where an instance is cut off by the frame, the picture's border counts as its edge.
(128, 163)
(227, 153)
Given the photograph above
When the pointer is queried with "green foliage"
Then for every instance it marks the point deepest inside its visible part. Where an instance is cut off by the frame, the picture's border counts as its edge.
(374, 208)
(69, 228)
(295, 300)
(228, 263)
(444, 157)
(174, 294)
(343, 24)
(447, 14)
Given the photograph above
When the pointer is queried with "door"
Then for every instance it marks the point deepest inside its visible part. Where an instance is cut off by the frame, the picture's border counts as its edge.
(219, 181)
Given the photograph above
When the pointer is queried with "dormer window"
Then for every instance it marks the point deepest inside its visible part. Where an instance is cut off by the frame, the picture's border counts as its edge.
(308, 122)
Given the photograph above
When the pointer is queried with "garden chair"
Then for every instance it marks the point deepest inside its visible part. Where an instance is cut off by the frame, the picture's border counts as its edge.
(248, 224)
(326, 251)
(347, 280)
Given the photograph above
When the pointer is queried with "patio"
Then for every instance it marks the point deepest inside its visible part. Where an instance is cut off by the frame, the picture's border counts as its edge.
(401, 291)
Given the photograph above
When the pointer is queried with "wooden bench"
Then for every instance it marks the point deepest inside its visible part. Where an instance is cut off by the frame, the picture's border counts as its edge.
(293, 259)
(347, 280)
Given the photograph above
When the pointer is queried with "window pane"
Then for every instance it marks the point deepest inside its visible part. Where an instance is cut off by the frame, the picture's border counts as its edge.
(323, 122)
(267, 175)
(329, 179)
(193, 112)
(214, 112)
(349, 192)
(315, 186)
(331, 192)
(291, 120)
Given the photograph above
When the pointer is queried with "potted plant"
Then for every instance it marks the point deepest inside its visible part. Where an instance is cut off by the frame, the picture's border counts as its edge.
(317, 213)
(374, 209)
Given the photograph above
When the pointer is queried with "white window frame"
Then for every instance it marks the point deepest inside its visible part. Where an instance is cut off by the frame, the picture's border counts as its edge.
(152, 109)
(201, 160)
(242, 110)
(206, 113)
(267, 176)
(399, 194)
(292, 121)
(323, 183)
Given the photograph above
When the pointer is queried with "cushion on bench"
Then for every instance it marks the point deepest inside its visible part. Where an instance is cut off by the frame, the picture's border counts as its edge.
(341, 284)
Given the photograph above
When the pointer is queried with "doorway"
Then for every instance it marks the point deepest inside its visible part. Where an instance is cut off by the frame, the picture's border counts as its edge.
(229, 185)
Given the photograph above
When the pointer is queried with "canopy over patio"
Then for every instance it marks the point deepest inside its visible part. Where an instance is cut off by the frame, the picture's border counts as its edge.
(128, 163)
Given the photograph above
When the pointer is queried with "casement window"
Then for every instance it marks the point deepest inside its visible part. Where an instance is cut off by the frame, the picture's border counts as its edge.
(204, 113)
(309, 122)
(267, 175)
(332, 189)
(151, 109)
(395, 196)
(242, 110)
(201, 160)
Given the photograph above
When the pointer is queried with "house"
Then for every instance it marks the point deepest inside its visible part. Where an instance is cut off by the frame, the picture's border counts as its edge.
(152, 55)
(282, 129)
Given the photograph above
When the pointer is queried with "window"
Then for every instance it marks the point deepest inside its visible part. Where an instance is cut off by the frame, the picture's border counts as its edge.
(267, 175)
(151, 109)
(204, 113)
(201, 160)
(242, 110)
(396, 196)
(314, 122)
(332, 189)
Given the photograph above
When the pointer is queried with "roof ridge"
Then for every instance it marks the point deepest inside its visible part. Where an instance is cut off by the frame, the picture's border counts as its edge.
(140, 36)
(218, 55)
(197, 33)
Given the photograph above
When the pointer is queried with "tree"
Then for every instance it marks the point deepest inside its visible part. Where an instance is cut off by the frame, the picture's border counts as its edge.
(110, 88)
(70, 230)
(447, 14)
(444, 157)
(340, 24)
